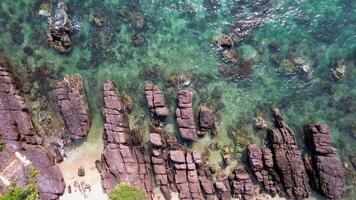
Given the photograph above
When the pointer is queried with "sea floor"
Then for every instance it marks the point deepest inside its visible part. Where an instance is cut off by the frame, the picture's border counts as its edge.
(287, 60)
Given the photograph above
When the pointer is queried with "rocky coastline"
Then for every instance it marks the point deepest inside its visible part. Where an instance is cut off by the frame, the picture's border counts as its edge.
(280, 166)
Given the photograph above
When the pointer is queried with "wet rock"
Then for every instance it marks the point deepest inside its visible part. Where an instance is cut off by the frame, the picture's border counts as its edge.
(241, 184)
(81, 171)
(138, 20)
(180, 79)
(260, 122)
(122, 160)
(185, 116)
(328, 175)
(338, 70)
(207, 120)
(72, 103)
(223, 41)
(60, 29)
(156, 101)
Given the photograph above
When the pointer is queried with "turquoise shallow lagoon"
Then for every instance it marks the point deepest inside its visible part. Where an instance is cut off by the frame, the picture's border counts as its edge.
(177, 36)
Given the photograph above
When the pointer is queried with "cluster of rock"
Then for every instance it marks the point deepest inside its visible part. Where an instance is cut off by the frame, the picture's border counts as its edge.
(71, 100)
(123, 159)
(324, 167)
(60, 29)
(238, 185)
(175, 169)
(280, 167)
(156, 101)
(23, 148)
(185, 116)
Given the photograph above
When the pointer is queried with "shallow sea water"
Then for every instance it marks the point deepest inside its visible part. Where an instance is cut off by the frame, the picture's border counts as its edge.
(178, 38)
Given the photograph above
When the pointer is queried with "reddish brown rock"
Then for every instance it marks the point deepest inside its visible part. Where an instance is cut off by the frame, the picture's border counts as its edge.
(185, 116)
(288, 160)
(207, 120)
(223, 190)
(72, 104)
(241, 184)
(156, 101)
(23, 145)
(261, 163)
(122, 160)
(328, 176)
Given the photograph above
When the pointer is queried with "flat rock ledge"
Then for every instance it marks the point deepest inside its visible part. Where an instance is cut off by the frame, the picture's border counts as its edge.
(328, 176)
(185, 116)
(71, 100)
(156, 101)
(123, 159)
(23, 148)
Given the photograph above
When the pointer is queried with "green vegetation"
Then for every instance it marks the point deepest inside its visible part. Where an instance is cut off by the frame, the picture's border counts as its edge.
(126, 191)
(29, 192)
(2, 144)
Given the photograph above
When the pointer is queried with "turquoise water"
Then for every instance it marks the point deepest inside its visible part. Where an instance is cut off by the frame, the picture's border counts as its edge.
(177, 37)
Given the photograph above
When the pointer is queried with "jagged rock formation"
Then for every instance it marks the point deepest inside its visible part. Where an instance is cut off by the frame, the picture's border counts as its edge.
(207, 120)
(156, 101)
(261, 163)
(23, 145)
(325, 169)
(123, 159)
(286, 166)
(177, 170)
(185, 116)
(72, 103)
(241, 184)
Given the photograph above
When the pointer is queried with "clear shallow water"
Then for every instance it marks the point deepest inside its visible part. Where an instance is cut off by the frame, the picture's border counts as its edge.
(178, 38)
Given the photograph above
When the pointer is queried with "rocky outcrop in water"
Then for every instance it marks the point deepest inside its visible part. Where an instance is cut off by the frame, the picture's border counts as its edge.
(185, 115)
(156, 101)
(72, 103)
(123, 159)
(241, 184)
(207, 120)
(23, 148)
(60, 29)
(281, 163)
(325, 169)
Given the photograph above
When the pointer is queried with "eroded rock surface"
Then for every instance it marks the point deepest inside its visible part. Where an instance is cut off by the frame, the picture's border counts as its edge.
(72, 103)
(185, 116)
(23, 145)
(207, 120)
(123, 159)
(156, 101)
(328, 176)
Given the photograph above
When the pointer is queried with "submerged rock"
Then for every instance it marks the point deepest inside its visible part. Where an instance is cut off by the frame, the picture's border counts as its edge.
(207, 120)
(223, 41)
(72, 103)
(338, 70)
(60, 29)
